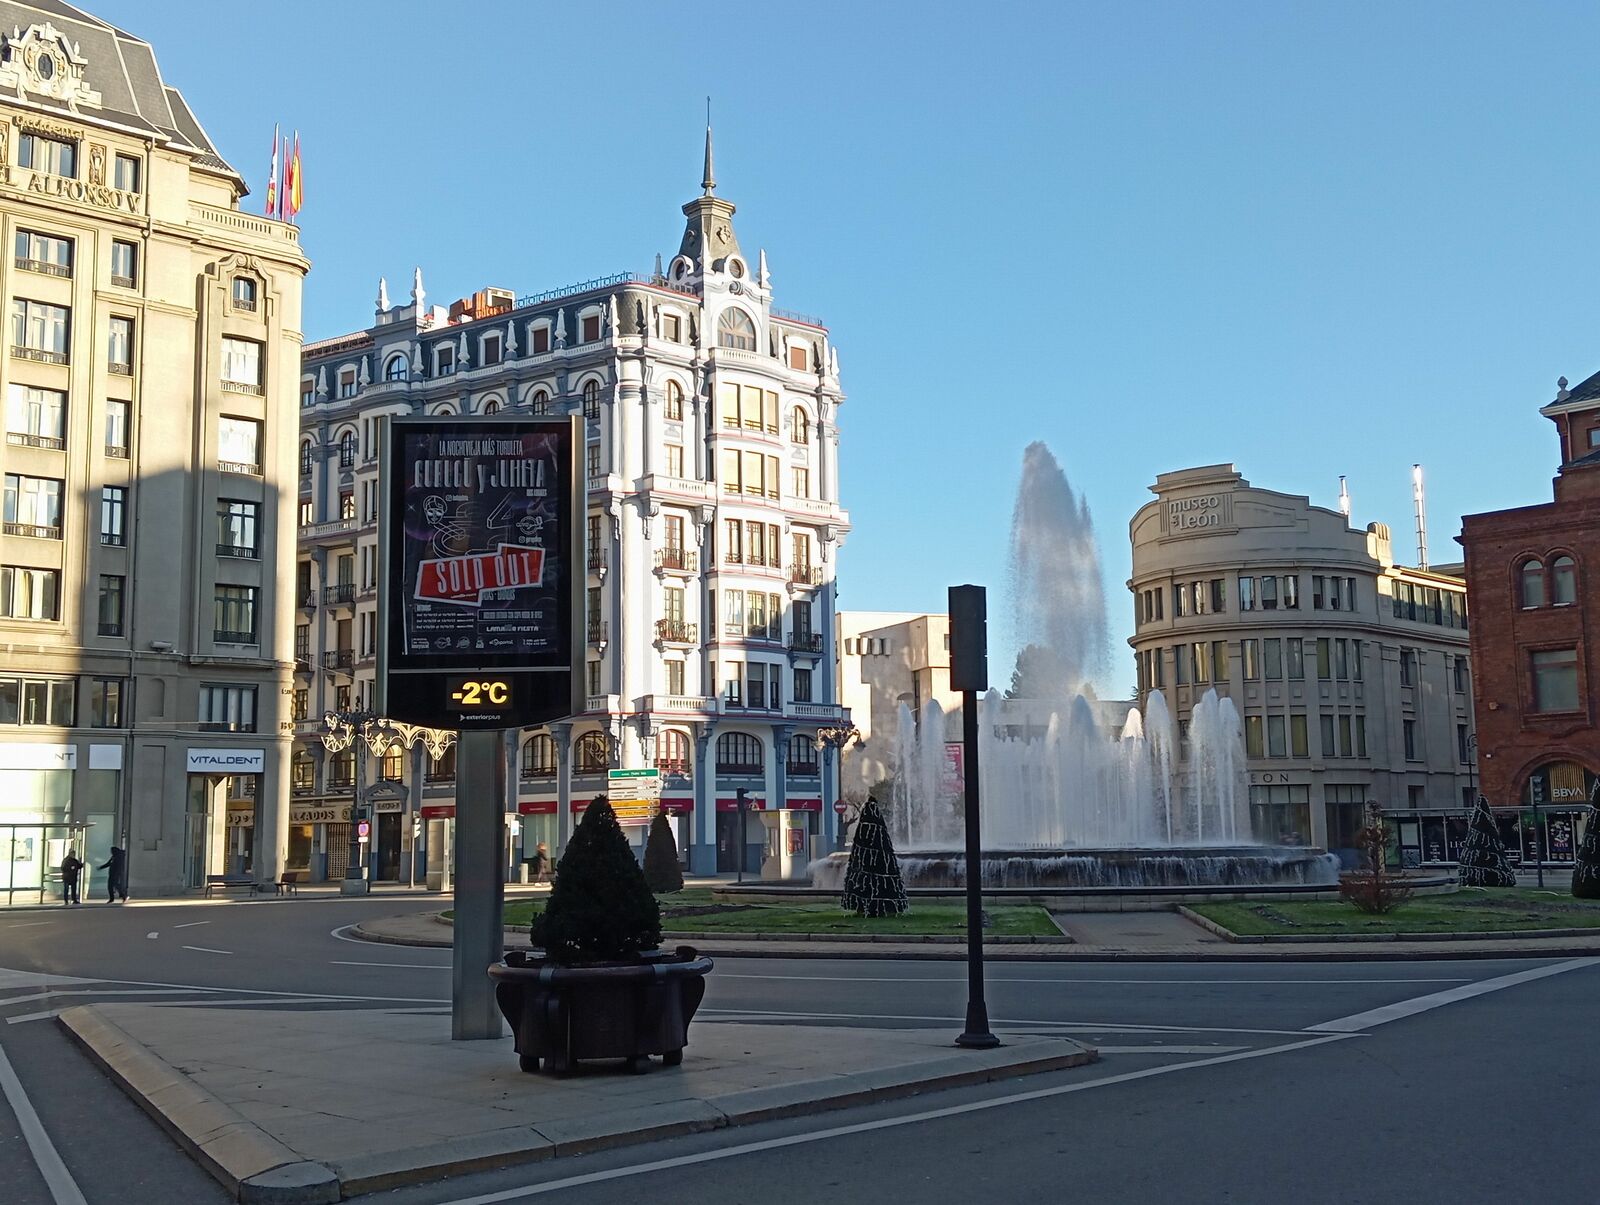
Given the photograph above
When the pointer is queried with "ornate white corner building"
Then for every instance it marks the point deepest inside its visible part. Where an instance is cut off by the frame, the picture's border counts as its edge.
(713, 525)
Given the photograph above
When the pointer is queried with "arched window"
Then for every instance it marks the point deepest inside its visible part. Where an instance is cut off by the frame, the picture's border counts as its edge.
(803, 757)
(305, 459)
(347, 450)
(492, 406)
(392, 767)
(1563, 581)
(674, 401)
(672, 752)
(591, 399)
(396, 368)
(443, 410)
(735, 330)
(1530, 575)
(342, 769)
(739, 753)
(800, 426)
(539, 402)
(594, 753)
(303, 772)
(539, 757)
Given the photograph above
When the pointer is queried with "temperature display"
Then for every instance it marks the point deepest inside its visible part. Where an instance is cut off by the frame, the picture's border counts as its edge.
(474, 694)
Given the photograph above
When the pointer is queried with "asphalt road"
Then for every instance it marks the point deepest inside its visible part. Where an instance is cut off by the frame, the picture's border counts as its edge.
(1216, 1083)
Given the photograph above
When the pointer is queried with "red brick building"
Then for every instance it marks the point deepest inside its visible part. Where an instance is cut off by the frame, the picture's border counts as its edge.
(1533, 581)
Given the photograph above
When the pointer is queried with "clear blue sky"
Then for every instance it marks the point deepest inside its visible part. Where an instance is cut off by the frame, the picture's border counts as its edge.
(1308, 239)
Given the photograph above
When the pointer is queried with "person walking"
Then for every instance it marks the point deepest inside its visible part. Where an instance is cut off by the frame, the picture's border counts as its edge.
(117, 879)
(71, 868)
(541, 863)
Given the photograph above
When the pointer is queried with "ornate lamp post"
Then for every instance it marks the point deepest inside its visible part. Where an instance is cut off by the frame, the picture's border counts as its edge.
(839, 738)
(355, 729)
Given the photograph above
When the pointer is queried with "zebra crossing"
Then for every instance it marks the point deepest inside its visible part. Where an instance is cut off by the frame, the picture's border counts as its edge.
(28, 996)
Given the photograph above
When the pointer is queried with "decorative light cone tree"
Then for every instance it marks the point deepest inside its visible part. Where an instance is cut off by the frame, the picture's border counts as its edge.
(872, 882)
(1586, 873)
(662, 870)
(1483, 857)
(600, 988)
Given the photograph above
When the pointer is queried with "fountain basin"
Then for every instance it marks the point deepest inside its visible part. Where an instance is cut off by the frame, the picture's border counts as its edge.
(1228, 866)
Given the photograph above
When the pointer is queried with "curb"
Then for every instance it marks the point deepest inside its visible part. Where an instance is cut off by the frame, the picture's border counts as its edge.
(251, 1164)
(1342, 938)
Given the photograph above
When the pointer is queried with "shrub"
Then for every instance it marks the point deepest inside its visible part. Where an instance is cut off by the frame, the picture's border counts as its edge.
(1374, 890)
(600, 909)
(662, 870)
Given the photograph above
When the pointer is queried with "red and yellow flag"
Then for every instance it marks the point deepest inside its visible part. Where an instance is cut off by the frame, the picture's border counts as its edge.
(296, 180)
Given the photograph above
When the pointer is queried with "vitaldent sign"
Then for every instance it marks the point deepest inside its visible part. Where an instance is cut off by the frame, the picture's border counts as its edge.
(227, 761)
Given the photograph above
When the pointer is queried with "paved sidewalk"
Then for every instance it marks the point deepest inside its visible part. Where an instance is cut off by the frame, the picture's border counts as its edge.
(1102, 937)
(282, 1106)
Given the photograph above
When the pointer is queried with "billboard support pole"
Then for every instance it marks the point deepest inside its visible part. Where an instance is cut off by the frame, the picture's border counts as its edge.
(479, 920)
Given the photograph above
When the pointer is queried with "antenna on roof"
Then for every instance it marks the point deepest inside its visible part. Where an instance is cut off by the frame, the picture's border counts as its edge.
(1344, 499)
(1419, 502)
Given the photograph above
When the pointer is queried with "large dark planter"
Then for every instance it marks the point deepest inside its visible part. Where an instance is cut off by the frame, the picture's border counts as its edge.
(614, 1010)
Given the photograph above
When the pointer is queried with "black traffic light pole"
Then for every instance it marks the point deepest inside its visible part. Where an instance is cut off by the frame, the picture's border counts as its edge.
(742, 797)
(969, 673)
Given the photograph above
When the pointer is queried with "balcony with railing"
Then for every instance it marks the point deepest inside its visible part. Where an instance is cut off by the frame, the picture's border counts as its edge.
(339, 659)
(598, 631)
(44, 266)
(803, 769)
(537, 773)
(22, 439)
(239, 466)
(120, 368)
(340, 594)
(805, 575)
(302, 663)
(676, 631)
(677, 560)
(123, 282)
(679, 767)
(39, 355)
(249, 388)
(231, 636)
(818, 711)
(243, 552)
(117, 451)
(307, 601)
(597, 560)
(688, 704)
(806, 642)
(34, 531)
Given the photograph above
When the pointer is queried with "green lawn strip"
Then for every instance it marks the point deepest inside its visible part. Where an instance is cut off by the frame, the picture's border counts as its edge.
(924, 920)
(1471, 910)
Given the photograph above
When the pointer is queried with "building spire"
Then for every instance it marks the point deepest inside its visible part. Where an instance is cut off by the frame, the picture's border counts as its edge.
(708, 180)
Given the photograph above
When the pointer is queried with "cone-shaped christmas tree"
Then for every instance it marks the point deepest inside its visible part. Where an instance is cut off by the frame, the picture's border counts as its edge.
(1483, 857)
(600, 909)
(1586, 874)
(872, 883)
(662, 869)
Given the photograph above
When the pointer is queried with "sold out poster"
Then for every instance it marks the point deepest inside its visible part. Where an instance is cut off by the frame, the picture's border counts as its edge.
(481, 558)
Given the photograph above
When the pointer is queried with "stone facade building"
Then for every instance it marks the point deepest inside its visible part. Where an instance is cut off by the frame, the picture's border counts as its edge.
(148, 461)
(713, 521)
(1536, 642)
(888, 659)
(1349, 670)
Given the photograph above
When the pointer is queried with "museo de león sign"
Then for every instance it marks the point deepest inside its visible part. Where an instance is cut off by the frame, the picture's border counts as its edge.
(481, 571)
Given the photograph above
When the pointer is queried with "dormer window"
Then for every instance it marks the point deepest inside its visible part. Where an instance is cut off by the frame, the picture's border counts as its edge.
(735, 330)
(591, 328)
(672, 328)
(491, 350)
(244, 294)
(396, 368)
(539, 340)
(347, 382)
(444, 362)
(797, 357)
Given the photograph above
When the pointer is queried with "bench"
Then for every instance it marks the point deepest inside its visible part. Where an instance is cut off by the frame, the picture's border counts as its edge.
(288, 883)
(230, 882)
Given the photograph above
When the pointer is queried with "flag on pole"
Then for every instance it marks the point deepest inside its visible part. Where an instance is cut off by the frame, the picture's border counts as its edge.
(272, 180)
(296, 181)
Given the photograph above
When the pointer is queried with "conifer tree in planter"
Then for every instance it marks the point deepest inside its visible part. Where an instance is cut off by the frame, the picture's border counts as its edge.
(598, 987)
(1586, 873)
(662, 870)
(872, 882)
(1483, 856)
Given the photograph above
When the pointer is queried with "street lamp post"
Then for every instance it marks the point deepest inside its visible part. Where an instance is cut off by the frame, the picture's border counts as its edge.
(839, 738)
(379, 734)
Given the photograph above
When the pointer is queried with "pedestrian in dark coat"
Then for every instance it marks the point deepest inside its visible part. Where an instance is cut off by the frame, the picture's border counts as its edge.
(71, 868)
(117, 879)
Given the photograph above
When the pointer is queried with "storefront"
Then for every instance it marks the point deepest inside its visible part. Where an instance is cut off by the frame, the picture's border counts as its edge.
(1562, 791)
(36, 827)
(319, 839)
(214, 841)
(778, 843)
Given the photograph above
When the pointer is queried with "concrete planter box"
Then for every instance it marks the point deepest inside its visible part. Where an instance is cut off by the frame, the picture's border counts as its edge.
(617, 1010)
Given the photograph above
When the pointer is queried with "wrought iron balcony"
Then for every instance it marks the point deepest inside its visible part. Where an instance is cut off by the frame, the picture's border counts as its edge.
(805, 642)
(240, 551)
(803, 769)
(340, 659)
(805, 575)
(676, 631)
(599, 631)
(224, 636)
(343, 592)
(597, 560)
(679, 560)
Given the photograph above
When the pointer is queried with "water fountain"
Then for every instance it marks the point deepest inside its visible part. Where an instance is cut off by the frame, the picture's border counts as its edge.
(1072, 797)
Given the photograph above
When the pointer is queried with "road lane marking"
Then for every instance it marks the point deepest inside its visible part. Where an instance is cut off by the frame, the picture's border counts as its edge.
(189, 924)
(206, 950)
(8, 1001)
(44, 1016)
(887, 1123)
(993, 981)
(1357, 1022)
(63, 1189)
(153, 936)
(1167, 1049)
(30, 924)
(416, 966)
(29, 980)
(1090, 1026)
